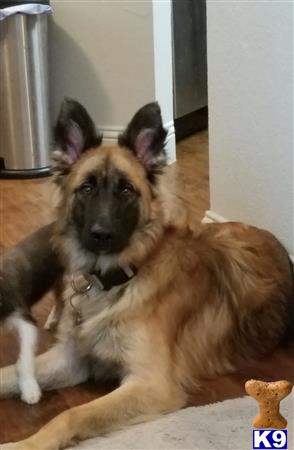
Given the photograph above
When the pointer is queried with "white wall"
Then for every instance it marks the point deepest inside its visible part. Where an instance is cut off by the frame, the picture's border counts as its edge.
(162, 39)
(250, 81)
(103, 54)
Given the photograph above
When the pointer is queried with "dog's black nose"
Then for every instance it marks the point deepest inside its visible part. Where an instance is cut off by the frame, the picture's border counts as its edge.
(101, 235)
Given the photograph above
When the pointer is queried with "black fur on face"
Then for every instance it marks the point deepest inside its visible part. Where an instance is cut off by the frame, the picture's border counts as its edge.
(106, 211)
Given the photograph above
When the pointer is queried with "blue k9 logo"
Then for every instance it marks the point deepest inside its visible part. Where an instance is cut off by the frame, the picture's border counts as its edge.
(269, 439)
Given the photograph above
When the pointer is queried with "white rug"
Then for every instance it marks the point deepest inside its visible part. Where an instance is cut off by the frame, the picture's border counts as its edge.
(221, 426)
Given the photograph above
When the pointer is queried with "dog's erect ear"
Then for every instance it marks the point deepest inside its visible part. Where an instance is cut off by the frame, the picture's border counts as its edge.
(74, 133)
(145, 136)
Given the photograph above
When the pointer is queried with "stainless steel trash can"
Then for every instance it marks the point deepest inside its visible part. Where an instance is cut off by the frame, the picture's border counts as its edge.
(24, 110)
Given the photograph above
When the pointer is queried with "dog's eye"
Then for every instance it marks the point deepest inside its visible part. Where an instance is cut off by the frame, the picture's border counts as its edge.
(126, 190)
(86, 188)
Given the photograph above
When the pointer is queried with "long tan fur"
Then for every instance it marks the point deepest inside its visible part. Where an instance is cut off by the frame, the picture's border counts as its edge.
(203, 304)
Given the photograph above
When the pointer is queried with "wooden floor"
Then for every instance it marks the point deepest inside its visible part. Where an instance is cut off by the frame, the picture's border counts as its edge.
(27, 205)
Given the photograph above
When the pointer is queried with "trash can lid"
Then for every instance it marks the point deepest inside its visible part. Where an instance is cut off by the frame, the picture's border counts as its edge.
(7, 3)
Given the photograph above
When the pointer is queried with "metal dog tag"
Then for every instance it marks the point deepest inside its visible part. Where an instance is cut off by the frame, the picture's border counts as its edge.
(81, 285)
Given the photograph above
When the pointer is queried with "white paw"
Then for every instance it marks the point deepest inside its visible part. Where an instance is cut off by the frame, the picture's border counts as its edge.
(30, 391)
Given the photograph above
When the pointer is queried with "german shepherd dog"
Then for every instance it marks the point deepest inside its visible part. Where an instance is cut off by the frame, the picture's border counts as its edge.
(150, 303)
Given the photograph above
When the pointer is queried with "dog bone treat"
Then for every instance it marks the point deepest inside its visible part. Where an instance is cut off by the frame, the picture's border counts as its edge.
(269, 396)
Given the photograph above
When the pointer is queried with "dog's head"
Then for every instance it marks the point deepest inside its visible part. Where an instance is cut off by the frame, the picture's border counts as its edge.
(107, 191)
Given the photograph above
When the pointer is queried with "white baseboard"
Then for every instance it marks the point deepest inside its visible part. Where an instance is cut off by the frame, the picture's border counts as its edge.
(170, 142)
(111, 133)
(212, 217)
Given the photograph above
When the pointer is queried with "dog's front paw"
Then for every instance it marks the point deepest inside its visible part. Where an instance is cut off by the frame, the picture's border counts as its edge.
(30, 391)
